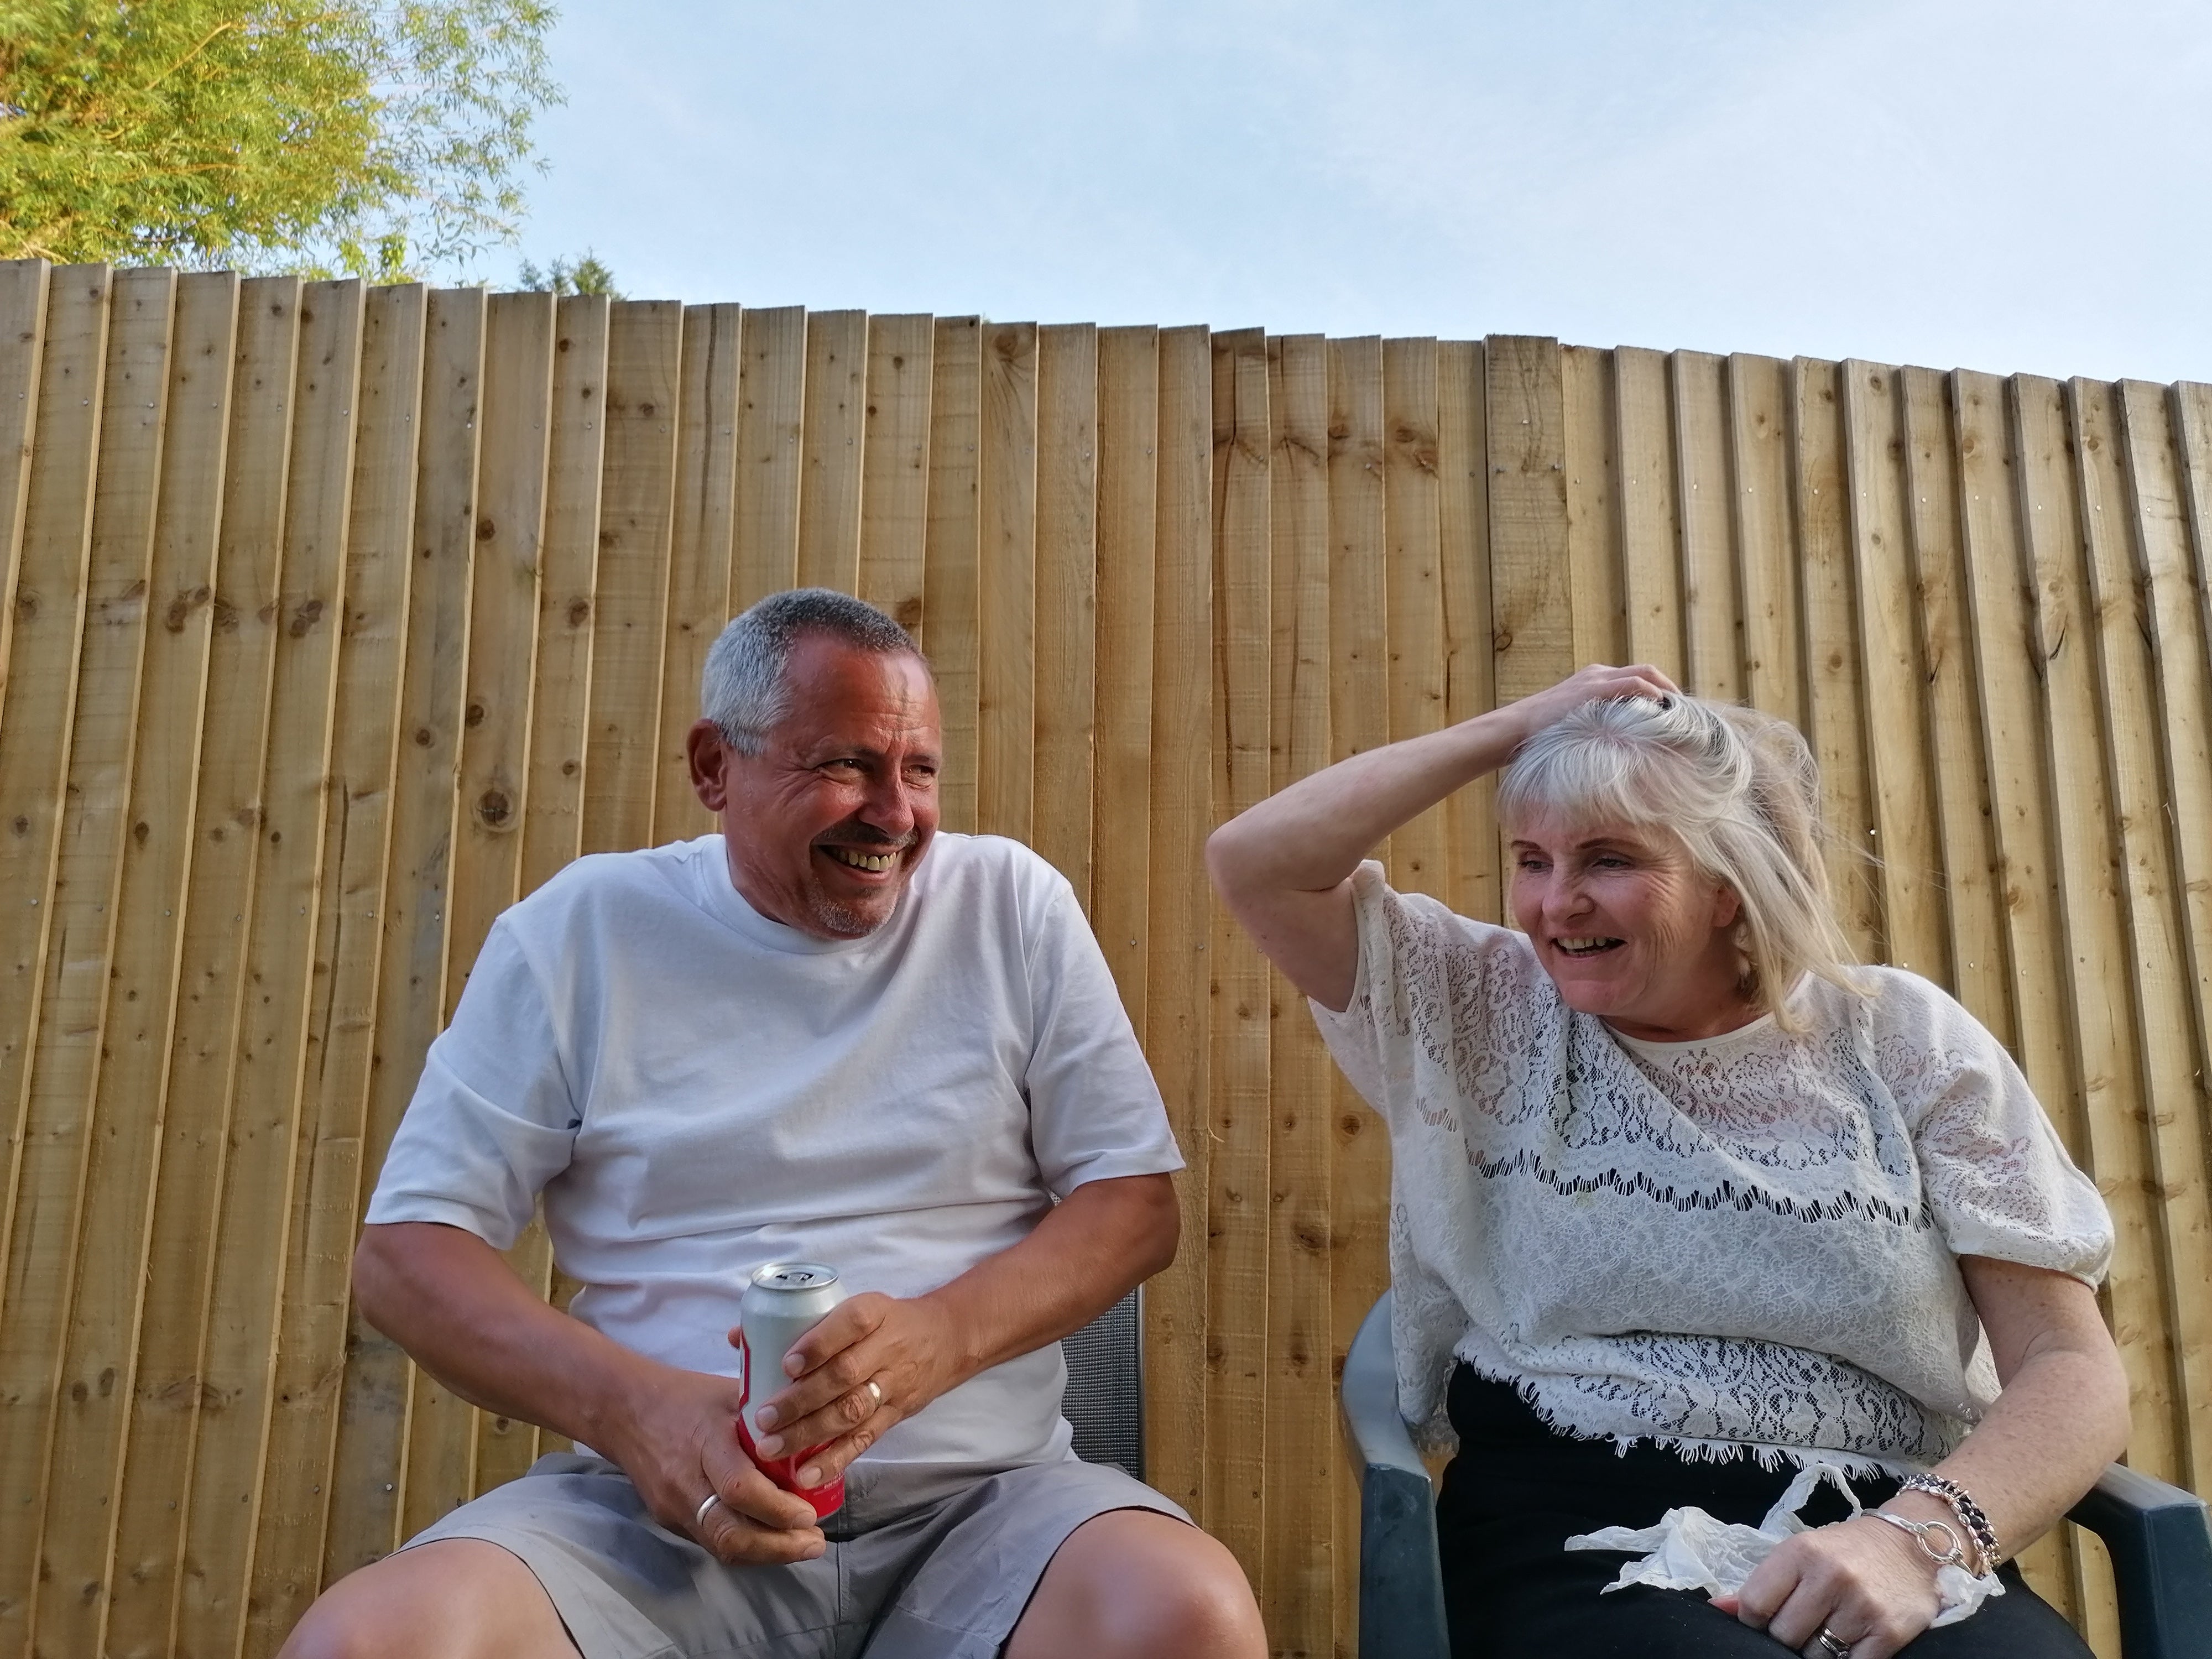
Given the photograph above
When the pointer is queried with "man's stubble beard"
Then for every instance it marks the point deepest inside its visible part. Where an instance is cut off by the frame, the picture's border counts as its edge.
(846, 921)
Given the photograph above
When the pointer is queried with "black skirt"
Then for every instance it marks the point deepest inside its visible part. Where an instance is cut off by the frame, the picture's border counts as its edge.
(1517, 1490)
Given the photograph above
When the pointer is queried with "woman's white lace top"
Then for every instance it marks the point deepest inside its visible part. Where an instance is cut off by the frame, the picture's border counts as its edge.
(1747, 1241)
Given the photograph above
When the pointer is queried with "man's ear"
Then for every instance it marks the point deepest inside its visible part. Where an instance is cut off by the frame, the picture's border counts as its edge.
(710, 757)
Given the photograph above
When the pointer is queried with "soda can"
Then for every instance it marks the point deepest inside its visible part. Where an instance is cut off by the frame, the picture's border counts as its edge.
(786, 1300)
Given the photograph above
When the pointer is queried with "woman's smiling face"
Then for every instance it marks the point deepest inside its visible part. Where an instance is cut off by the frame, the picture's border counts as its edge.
(1629, 929)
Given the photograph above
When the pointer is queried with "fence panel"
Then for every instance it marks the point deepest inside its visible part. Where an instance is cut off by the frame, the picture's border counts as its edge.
(434, 575)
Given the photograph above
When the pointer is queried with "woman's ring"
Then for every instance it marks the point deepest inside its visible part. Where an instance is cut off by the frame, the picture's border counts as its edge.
(699, 1515)
(1831, 1644)
(876, 1391)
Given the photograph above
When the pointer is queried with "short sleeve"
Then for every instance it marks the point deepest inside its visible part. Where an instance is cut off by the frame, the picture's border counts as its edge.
(493, 1118)
(1095, 1111)
(1430, 985)
(1996, 1175)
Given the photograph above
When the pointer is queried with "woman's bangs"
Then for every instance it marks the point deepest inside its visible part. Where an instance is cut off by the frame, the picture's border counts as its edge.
(1586, 783)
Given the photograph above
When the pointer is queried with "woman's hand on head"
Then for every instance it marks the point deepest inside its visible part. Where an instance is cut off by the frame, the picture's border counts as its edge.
(1597, 682)
(1863, 1581)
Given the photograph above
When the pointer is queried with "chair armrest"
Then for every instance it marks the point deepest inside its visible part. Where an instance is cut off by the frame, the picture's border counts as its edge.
(2161, 1562)
(1402, 1592)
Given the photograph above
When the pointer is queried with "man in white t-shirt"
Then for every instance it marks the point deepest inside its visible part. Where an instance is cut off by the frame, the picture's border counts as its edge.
(825, 1034)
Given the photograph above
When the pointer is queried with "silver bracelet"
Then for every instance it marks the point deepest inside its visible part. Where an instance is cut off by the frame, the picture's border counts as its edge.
(1962, 1504)
(1952, 1554)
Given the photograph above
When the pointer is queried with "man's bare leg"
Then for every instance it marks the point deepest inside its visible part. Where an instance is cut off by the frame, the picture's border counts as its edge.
(1138, 1584)
(459, 1598)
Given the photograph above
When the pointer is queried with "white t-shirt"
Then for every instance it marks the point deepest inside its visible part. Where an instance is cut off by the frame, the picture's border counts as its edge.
(1747, 1241)
(698, 1089)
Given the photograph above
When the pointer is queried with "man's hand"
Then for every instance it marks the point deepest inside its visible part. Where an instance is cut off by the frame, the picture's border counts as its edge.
(679, 1442)
(871, 1362)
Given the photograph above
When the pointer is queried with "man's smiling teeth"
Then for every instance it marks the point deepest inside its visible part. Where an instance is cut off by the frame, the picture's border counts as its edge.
(859, 861)
(1583, 947)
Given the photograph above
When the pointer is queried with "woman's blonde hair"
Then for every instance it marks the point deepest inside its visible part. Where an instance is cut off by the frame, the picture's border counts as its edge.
(1738, 789)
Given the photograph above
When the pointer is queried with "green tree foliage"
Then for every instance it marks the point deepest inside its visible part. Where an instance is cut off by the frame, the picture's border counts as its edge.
(587, 275)
(376, 137)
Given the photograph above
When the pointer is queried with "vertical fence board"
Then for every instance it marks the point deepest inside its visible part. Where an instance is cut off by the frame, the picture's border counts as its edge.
(370, 1512)
(1066, 598)
(311, 1358)
(699, 554)
(563, 670)
(46, 602)
(1705, 491)
(1005, 608)
(2169, 1108)
(1595, 573)
(155, 1528)
(1831, 653)
(1766, 539)
(249, 1223)
(835, 426)
(1891, 675)
(895, 478)
(771, 418)
(1470, 661)
(1176, 958)
(1237, 1110)
(1413, 590)
(22, 352)
(1651, 526)
(1359, 719)
(950, 606)
(1531, 599)
(507, 595)
(1296, 1583)
(1128, 531)
(1966, 852)
(630, 600)
(62, 1259)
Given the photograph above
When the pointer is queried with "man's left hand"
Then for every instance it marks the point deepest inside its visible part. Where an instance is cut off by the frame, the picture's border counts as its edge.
(871, 1362)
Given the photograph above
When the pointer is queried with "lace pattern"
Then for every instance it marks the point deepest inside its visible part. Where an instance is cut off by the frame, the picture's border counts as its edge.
(1750, 1241)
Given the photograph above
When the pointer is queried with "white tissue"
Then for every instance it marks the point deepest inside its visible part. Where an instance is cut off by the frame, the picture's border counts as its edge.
(1691, 1550)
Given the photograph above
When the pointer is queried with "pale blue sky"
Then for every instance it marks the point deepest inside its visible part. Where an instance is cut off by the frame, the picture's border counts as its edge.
(2005, 184)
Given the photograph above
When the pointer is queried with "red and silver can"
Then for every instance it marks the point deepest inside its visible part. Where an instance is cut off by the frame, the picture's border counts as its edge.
(786, 1300)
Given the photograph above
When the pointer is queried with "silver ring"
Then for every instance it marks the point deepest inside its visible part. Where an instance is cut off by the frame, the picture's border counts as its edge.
(1831, 1644)
(699, 1515)
(876, 1390)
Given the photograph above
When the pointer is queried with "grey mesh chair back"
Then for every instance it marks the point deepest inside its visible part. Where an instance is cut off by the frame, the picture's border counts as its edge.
(1105, 1398)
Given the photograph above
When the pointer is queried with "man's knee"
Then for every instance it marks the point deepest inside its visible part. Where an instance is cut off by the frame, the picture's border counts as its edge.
(1136, 1582)
(457, 1599)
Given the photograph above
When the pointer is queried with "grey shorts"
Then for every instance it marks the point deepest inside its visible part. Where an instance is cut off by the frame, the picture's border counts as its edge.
(926, 1561)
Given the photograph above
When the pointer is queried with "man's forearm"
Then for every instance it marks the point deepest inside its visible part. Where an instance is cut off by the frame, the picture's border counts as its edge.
(451, 1301)
(1105, 1237)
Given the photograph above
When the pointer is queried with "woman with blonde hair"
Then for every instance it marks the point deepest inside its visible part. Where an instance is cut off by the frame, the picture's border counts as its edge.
(1684, 1201)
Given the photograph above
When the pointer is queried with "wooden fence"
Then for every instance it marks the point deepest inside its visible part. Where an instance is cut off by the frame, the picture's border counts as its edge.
(339, 618)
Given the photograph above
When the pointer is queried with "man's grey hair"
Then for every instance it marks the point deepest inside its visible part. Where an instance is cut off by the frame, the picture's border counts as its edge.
(745, 692)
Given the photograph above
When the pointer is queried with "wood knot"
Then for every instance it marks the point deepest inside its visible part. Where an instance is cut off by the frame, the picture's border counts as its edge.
(476, 715)
(305, 618)
(580, 612)
(486, 529)
(494, 809)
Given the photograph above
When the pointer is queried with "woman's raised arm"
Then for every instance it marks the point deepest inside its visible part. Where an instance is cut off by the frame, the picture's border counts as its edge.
(1284, 867)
